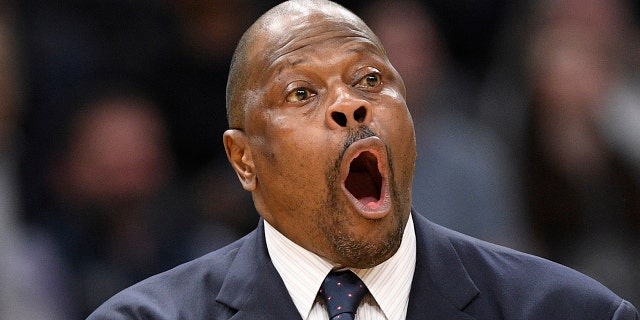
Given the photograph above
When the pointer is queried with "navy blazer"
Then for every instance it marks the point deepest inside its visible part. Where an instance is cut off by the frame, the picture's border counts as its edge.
(456, 277)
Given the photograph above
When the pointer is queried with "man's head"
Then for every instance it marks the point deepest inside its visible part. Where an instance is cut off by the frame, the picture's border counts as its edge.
(320, 132)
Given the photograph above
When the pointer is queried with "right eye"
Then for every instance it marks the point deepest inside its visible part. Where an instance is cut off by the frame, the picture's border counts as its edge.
(299, 95)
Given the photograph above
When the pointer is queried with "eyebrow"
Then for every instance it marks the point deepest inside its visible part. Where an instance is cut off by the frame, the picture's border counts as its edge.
(295, 62)
(373, 48)
(290, 64)
(357, 49)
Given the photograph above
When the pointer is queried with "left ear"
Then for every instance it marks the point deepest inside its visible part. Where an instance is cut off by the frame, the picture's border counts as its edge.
(239, 154)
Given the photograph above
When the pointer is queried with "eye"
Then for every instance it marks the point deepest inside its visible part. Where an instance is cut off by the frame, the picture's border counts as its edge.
(371, 80)
(299, 95)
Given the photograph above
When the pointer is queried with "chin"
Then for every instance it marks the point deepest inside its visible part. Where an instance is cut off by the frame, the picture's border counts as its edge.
(363, 243)
(368, 253)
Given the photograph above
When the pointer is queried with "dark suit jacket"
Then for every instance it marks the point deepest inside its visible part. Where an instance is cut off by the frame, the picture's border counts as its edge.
(456, 277)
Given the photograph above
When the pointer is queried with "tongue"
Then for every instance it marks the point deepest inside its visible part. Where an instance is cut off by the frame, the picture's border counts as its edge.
(370, 202)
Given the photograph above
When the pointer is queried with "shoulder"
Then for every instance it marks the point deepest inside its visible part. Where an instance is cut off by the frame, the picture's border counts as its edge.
(515, 285)
(526, 286)
(186, 291)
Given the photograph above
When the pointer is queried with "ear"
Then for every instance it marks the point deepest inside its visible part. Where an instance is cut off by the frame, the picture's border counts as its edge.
(239, 154)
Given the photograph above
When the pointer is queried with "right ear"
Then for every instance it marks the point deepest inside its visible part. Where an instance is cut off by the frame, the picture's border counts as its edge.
(239, 154)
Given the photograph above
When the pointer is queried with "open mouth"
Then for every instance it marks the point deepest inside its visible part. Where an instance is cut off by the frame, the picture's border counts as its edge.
(364, 180)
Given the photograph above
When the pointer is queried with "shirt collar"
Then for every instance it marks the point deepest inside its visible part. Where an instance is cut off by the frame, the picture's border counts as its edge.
(303, 272)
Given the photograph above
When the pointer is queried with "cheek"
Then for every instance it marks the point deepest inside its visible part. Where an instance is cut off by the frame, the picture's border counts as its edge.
(394, 122)
(392, 94)
(396, 128)
(293, 162)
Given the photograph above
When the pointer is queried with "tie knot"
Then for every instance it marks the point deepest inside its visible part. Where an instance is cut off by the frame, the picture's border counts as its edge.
(342, 292)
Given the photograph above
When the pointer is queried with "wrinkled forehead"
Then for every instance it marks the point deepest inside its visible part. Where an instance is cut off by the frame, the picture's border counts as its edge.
(297, 26)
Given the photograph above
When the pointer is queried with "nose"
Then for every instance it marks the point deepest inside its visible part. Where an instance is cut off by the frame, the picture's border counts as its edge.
(348, 110)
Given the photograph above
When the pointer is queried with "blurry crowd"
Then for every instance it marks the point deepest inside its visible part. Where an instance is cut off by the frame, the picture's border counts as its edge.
(527, 117)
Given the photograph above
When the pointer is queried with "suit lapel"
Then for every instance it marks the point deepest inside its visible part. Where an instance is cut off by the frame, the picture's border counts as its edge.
(441, 287)
(253, 286)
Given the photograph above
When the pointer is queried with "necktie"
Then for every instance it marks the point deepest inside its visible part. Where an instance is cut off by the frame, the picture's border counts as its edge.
(342, 292)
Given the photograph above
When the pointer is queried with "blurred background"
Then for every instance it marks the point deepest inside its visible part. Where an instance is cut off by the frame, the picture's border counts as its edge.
(527, 116)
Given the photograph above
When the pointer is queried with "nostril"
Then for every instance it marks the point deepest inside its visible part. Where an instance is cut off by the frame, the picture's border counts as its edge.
(339, 118)
(360, 114)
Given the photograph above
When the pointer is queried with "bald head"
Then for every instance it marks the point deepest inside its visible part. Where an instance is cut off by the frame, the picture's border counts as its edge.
(276, 32)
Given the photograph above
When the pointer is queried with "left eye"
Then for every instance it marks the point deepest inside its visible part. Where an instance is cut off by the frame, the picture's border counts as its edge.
(299, 95)
(371, 80)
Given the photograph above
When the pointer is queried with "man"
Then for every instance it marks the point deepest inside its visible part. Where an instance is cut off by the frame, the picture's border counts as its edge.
(321, 136)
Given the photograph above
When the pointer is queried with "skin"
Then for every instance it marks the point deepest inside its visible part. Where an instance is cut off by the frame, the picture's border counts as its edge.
(311, 89)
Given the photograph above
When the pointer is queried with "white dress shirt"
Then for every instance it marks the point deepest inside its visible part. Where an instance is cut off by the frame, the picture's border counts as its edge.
(302, 271)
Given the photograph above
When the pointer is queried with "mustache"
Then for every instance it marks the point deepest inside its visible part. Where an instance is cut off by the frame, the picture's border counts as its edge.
(354, 135)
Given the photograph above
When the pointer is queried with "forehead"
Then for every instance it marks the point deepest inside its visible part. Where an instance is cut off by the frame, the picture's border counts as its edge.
(314, 30)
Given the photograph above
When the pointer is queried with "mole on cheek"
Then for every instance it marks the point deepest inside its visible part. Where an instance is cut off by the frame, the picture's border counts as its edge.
(271, 157)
